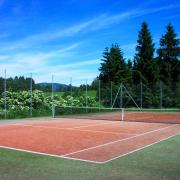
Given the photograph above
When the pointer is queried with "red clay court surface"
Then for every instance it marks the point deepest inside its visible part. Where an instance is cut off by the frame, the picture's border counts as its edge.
(95, 141)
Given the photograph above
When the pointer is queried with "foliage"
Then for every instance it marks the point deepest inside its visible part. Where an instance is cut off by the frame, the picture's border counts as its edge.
(113, 67)
(144, 69)
(144, 66)
(168, 56)
(16, 84)
(157, 77)
(19, 103)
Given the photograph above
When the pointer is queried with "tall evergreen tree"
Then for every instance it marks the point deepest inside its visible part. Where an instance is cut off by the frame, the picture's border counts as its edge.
(130, 68)
(113, 71)
(144, 66)
(168, 55)
(113, 68)
(105, 67)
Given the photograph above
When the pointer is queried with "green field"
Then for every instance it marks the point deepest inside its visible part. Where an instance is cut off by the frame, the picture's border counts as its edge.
(160, 161)
(91, 93)
(55, 93)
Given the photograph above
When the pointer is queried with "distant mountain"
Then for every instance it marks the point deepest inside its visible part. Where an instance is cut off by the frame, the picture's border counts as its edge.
(56, 86)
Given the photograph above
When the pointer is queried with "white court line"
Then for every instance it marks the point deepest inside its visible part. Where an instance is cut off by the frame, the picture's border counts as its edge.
(120, 140)
(51, 155)
(98, 124)
(64, 156)
(106, 132)
(140, 148)
(74, 129)
(84, 160)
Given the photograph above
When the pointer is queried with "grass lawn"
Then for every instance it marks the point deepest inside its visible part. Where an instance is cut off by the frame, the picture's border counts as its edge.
(160, 161)
(55, 93)
(91, 93)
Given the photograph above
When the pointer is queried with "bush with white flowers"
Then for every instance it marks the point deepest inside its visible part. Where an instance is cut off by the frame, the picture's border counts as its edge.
(21, 101)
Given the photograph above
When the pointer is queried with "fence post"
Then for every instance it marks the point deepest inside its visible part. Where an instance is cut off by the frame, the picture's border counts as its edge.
(121, 96)
(86, 96)
(52, 97)
(161, 94)
(31, 95)
(5, 100)
(71, 86)
(141, 94)
(99, 94)
(111, 95)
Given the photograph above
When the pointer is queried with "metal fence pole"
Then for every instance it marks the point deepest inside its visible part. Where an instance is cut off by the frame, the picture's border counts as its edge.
(130, 96)
(31, 95)
(99, 94)
(116, 96)
(141, 95)
(111, 95)
(71, 94)
(161, 95)
(86, 96)
(71, 86)
(5, 100)
(52, 97)
(121, 96)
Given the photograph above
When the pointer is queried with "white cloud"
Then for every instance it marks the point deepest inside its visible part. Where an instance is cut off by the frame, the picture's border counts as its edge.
(156, 10)
(40, 64)
(93, 24)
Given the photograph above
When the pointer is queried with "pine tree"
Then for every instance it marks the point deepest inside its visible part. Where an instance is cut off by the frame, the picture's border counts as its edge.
(105, 67)
(168, 55)
(118, 71)
(130, 70)
(113, 68)
(113, 71)
(144, 65)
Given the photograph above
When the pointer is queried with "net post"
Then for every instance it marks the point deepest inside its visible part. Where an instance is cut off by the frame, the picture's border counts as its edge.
(52, 97)
(5, 100)
(122, 114)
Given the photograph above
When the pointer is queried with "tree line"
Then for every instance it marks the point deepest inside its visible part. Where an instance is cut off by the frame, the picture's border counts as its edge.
(16, 84)
(151, 77)
(157, 69)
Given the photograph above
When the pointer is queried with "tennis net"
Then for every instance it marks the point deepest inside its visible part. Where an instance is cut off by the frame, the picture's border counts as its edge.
(119, 114)
(97, 113)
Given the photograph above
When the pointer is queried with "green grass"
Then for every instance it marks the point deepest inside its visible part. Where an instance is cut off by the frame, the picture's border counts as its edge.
(26, 114)
(160, 161)
(55, 93)
(91, 93)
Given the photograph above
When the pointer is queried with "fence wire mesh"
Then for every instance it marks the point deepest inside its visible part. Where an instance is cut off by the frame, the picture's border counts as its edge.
(21, 96)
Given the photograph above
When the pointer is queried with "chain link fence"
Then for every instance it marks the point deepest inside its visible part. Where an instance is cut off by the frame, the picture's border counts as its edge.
(149, 95)
(21, 97)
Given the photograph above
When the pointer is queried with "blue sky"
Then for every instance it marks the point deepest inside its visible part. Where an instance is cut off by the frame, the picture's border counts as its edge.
(67, 38)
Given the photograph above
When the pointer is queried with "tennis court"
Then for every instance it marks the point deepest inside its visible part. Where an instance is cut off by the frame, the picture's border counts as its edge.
(91, 140)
